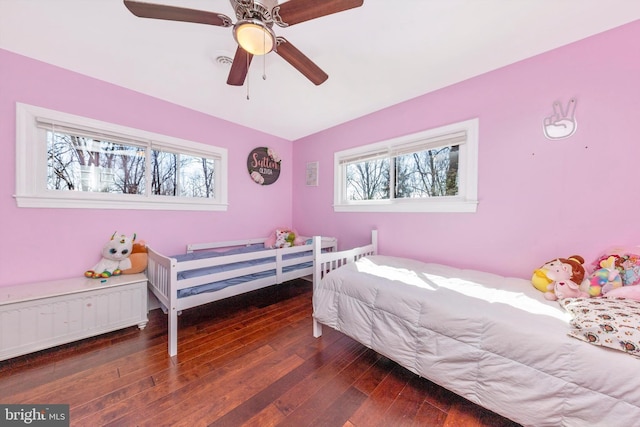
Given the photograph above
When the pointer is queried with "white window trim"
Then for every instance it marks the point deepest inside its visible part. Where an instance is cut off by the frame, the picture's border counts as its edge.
(466, 201)
(31, 193)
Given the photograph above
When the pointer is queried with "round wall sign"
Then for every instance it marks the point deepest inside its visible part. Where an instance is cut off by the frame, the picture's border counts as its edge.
(264, 165)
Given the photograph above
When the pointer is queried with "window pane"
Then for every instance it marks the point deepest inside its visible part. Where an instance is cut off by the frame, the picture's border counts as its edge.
(368, 180)
(77, 163)
(182, 175)
(163, 168)
(429, 173)
(196, 177)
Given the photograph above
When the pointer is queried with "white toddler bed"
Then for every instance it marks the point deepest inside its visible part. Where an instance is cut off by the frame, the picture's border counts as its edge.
(491, 339)
(210, 272)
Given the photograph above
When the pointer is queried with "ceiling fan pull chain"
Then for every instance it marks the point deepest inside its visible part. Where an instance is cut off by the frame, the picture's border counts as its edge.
(264, 67)
(247, 75)
(264, 57)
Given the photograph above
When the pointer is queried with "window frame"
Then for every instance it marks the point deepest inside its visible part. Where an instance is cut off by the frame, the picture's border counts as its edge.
(465, 201)
(31, 182)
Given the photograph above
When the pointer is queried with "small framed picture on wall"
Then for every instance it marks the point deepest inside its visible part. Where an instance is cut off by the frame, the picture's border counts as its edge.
(312, 174)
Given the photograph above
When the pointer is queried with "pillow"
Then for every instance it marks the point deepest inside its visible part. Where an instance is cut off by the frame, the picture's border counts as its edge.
(271, 240)
(630, 269)
(629, 292)
(608, 322)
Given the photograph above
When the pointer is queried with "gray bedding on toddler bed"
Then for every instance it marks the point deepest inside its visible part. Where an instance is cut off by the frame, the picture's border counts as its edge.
(216, 286)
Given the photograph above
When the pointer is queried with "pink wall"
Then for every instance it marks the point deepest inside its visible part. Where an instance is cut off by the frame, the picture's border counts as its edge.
(539, 199)
(43, 244)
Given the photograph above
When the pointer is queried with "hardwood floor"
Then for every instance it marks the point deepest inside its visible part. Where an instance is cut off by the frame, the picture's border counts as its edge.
(249, 360)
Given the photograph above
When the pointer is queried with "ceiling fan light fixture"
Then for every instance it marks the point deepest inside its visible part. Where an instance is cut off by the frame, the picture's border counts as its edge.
(254, 36)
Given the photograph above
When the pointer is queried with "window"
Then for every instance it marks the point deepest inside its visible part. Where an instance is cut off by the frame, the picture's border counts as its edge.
(67, 161)
(431, 171)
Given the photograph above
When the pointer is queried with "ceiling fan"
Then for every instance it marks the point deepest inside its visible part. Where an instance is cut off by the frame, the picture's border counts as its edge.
(253, 30)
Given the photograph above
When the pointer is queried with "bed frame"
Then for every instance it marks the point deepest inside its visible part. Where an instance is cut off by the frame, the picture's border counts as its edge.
(162, 274)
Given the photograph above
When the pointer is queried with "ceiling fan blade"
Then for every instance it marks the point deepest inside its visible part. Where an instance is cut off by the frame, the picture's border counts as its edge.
(296, 11)
(300, 62)
(172, 13)
(239, 67)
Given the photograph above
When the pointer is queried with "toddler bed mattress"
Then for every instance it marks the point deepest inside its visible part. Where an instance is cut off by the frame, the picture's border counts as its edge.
(257, 260)
(491, 339)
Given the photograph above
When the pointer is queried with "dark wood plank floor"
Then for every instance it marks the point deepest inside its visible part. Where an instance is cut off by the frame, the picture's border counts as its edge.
(249, 360)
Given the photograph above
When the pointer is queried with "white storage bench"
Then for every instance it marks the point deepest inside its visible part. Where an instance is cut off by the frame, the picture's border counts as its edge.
(46, 314)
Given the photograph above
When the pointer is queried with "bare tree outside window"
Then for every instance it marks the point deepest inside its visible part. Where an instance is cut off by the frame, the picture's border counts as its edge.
(434, 170)
(368, 180)
(163, 173)
(69, 161)
(428, 173)
(182, 175)
(196, 176)
(77, 163)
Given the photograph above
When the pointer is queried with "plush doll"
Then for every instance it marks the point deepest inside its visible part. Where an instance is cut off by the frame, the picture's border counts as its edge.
(567, 275)
(115, 257)
(540, 280)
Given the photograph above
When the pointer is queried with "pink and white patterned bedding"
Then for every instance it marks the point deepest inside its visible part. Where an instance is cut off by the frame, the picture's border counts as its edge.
(608, 322)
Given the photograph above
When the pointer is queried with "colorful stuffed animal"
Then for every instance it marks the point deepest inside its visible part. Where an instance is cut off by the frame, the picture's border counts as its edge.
(281, 239)
(291, 238)
(605, 279)
(627, 263)
(284, 238)
(139, 258)
(115, 257)
(567, 275)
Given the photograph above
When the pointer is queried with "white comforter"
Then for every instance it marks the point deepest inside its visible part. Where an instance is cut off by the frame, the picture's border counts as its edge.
(492, 339)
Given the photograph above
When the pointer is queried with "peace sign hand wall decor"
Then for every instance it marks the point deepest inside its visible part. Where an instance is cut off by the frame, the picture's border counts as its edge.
(562, 123)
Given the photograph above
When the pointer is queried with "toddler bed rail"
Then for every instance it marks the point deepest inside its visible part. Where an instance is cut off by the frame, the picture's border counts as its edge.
(210, 272)
(325, 262)
(328, 261)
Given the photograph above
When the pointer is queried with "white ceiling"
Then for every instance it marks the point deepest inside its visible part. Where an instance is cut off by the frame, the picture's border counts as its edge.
(380, 54)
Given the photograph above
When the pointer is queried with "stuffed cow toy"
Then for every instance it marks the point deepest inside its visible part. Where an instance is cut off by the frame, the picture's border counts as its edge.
(115, 257)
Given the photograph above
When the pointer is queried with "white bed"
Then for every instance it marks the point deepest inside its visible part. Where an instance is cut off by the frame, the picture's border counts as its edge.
(491, 339)
(213, 271)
